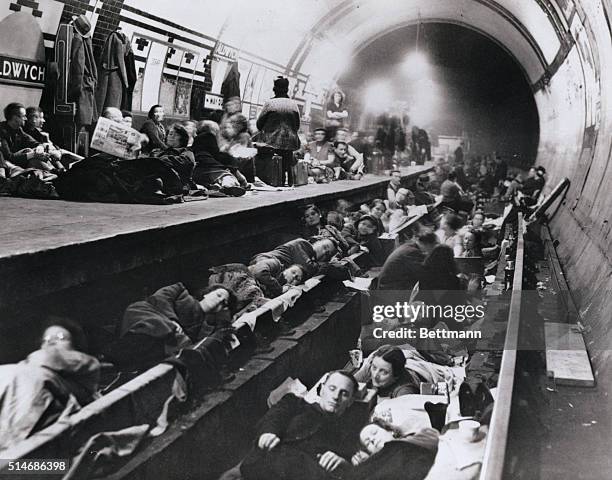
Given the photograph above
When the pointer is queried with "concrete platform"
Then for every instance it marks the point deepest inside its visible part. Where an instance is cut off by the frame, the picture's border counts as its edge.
(89, 260)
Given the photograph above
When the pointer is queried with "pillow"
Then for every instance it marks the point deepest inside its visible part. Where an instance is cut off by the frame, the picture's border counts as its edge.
(406, 413)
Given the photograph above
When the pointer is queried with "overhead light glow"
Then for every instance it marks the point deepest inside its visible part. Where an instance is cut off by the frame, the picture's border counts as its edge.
(416, 64)
(377, 96)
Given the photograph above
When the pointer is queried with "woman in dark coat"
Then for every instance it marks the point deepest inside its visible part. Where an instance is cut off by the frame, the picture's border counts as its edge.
(169, 320)
(154, 128)
(176, 155)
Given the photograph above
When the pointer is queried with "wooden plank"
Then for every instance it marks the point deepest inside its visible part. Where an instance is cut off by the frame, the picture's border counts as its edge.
(567, 359)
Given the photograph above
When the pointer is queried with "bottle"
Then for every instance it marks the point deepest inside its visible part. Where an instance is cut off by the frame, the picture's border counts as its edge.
(508, 275)
(376, 160)
(356, 355)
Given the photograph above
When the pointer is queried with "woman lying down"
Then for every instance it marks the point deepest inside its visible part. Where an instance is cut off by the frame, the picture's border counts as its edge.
(388, 454)
(53, 381)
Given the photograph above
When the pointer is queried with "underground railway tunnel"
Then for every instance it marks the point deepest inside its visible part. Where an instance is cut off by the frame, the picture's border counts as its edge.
(527, 79)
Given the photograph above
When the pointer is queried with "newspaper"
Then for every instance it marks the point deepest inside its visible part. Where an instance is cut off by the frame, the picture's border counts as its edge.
(116, 139)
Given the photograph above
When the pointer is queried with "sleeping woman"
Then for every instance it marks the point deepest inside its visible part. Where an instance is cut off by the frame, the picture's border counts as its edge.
(55, 380)
(388, 455)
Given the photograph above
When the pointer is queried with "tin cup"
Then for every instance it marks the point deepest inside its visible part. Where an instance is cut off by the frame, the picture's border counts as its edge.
(468, 429)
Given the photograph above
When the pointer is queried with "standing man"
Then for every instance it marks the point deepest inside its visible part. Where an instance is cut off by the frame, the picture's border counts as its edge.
(279, 122)
(297, 440)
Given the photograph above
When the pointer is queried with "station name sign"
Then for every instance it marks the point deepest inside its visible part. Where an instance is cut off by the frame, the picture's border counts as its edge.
(226, 52)
(22, 72)
(213, 102)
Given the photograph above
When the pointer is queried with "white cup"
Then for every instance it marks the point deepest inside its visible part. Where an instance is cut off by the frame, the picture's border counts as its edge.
(469, 429)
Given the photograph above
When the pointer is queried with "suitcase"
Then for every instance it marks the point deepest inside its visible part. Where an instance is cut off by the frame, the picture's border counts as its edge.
(269, 169)
(300, 173)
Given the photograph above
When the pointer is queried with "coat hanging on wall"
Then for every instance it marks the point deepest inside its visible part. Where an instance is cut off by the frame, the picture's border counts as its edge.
(231, 84)
(117, 73)
(83, 73)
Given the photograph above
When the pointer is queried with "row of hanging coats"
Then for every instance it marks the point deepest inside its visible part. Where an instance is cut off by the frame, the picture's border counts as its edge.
(116, 73)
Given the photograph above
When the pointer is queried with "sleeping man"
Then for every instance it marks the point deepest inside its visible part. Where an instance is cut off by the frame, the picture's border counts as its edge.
(301, 441)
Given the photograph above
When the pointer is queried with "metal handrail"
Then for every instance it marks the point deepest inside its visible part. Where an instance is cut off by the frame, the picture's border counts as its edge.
(497, 438)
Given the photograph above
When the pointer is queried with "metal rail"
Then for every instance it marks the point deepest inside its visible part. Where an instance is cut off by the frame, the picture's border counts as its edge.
(497, 439)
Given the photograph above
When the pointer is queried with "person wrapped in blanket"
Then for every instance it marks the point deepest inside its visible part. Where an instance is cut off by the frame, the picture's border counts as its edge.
(162, 177)
(388, 454)
(216, 169)
(53, 381)
(254, 285)
(171, 319)
(317, 257)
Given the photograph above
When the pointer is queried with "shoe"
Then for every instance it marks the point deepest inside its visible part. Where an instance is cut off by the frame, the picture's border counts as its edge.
(234, 191)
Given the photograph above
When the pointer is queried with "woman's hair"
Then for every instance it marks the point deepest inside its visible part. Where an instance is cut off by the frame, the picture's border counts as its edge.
(396, 431)
(182, 133)
(302, 269)
(152, 111)
(394, 356)
(79, 339)
(441, 260)
(368, 218)
(378, 201)
(312, 206)
(342, 96)
(453, 221)
(477, 237)
(208, 126)
(239, 122)
(355, 216)
(232, 300)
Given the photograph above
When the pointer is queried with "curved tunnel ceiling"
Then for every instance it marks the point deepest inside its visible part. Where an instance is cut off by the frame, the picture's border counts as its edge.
(319, 38)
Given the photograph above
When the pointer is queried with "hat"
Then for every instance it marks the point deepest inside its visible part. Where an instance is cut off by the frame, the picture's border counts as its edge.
(281, 83)
(424, 178)
(320, 129)
(82, 25)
